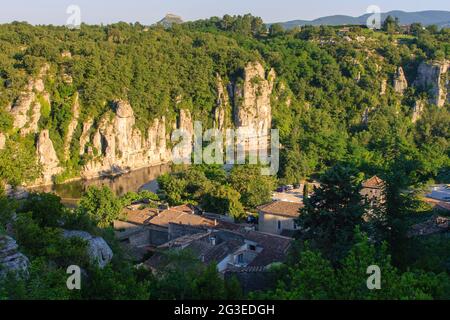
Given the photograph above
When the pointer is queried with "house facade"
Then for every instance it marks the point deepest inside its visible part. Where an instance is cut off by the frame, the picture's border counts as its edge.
(278, 217)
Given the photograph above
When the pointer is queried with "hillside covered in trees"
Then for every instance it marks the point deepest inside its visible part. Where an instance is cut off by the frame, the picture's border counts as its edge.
(375, 98)
(349, 102)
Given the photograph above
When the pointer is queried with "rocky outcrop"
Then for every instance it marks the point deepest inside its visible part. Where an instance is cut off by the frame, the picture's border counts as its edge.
(418, 110)
(383, 87)
(72, 126)
(2, 141)
(252, 105)
(98, 250)
(119, 146)
(47, 157)
(84, 138)
(400, 82)
(26, 110)
(222, 105)
(433, 78)
(11, 260)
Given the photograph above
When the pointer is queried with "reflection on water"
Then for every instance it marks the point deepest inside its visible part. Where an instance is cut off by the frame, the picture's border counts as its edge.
(142, 179)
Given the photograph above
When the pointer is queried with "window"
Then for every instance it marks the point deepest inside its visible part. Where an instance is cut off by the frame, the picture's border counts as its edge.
(241, 258)
(279, 225)
(252, 247)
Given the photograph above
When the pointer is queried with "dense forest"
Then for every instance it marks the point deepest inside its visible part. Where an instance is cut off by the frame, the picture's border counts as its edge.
(340, 116)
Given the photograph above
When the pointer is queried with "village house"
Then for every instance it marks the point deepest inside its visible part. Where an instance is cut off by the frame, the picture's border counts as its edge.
(279, 217)
(374, 190)
(144, 228)
(245, 254)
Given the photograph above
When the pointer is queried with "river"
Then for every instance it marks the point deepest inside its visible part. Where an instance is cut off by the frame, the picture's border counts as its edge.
(142, 179)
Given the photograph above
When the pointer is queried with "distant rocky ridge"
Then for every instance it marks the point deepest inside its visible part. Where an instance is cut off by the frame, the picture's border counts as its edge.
(169, 20)
(430, 17)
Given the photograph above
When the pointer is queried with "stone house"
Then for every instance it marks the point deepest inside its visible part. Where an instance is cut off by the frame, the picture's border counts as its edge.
(231, 250)
(279, 217)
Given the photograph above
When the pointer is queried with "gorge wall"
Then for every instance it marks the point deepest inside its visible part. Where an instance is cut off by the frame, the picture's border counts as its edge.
(112, 144)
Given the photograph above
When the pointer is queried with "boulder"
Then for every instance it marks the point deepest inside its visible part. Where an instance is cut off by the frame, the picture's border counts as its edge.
(11, 260)
(98, 250)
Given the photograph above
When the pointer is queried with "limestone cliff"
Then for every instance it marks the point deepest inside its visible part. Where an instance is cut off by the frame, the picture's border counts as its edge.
(112, 144)
(118, 146)
(400, 82)
(72, 126)
(47, 157)
(433, 78)
(26, 110)
(418, 110)
(252, 105)
(222, 105)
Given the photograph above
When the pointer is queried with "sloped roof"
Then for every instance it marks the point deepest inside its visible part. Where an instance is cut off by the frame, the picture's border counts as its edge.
(282, 208)
(184, 215)
(374, 183)
(275, 247)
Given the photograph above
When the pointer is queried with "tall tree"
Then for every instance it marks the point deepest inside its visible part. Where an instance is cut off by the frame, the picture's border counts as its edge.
(332, 212)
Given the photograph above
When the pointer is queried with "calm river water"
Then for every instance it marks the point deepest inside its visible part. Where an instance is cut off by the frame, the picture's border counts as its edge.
(142, 179)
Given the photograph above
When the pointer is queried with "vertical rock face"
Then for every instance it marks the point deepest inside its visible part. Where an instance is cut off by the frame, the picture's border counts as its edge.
(20, 109)
(26, 111)
(433, 77)
(400, 82)
(418, 110)
(121, 147)
(222, 105)
(11, 260)
(47, 157)
(72, 126)
(84, 138)
(252, 99)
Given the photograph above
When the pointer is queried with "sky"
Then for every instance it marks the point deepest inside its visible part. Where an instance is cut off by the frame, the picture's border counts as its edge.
(151, 11)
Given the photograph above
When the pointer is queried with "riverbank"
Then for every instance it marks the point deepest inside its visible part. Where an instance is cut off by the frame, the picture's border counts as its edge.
(132, 181)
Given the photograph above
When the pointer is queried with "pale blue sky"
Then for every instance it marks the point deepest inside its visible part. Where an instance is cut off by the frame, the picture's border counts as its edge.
(150, 11)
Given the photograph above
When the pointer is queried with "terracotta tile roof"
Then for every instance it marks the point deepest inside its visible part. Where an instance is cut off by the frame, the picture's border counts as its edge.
(282, 208)
(140, 216)
(184, 217)
(373, 183)
(184, 214)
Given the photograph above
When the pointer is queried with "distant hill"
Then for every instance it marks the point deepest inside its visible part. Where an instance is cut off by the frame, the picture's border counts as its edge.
(169, 20)
(439, 18)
